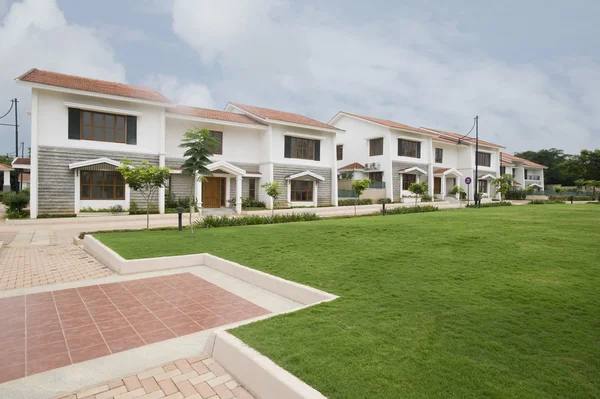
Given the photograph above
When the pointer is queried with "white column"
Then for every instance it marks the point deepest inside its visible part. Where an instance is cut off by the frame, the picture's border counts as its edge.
(401, 185)
(443, 193)
(161, 190)
(6, 181)
(127, 196)
(238, 194)
(33, 184)
(430, 180)
(198, 192)
(161, 159)
(289, 192)
(227, 190)
(77, 191)
(315, 190)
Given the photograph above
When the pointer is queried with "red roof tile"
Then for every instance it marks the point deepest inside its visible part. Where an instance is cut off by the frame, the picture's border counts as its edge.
(456, 136)
(509, 159)
(2, 166)
(388, 123)
(352, 166)
(437, 171)
(214, 114)
(282, 116)
(22, 161)
(93, 85)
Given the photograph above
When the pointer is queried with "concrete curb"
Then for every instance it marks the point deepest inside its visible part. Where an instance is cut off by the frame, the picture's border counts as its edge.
(257, 373)
(1, 245)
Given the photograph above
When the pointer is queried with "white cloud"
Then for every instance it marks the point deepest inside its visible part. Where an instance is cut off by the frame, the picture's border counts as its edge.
(193, 94)
(276, 53)
(35, 34)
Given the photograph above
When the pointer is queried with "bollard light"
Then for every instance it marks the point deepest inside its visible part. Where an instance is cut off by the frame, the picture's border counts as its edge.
(383, 210)
(179, 216)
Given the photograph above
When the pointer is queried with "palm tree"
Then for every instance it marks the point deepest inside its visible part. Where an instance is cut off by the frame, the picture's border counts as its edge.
(198, 144)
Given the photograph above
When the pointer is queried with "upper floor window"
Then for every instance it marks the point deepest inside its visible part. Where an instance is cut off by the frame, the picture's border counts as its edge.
(484, 159)
(100, 185)
(439, 155)
(407, 148)
(339, 150)
(217, 149)
(376, 147)
(300, 148)
(102, 126)
(99, 126)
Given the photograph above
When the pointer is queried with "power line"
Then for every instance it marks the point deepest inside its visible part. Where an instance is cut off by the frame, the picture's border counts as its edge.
(12, 104)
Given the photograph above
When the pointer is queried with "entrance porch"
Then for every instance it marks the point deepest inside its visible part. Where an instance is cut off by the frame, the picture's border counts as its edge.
(444, 180)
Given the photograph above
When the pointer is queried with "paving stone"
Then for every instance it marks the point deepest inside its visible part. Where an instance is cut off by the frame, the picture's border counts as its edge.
(92, 391)
(219, 380)
(112, 393)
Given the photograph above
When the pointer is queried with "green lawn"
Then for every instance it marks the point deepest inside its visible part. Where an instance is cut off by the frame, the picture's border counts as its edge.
(497, 302)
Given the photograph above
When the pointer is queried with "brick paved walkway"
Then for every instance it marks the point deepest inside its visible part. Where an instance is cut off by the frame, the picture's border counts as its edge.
(193, 378)
(40, 265)
(45, 331)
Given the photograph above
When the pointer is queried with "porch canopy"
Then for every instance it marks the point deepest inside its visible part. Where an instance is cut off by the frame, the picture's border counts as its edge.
(306, 176)
(96, 164)
(412, 170)
(445, 173)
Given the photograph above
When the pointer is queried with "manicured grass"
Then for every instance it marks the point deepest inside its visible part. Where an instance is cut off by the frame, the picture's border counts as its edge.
(497, 302)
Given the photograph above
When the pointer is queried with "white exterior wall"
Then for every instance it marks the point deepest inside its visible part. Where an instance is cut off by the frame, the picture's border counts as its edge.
(328, 143)
(53, 119)
(240, 144)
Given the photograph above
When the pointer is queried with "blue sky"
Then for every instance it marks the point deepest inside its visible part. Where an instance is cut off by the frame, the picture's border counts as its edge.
(530, 70)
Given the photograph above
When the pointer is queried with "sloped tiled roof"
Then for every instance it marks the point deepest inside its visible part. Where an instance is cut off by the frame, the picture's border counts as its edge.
(388, 123)
(22, 161)
(352, 166)
(507, 159)
(453, 137)
(283, 116)
(92, 85)
(5, 167)
(214, 114)
(437, 171)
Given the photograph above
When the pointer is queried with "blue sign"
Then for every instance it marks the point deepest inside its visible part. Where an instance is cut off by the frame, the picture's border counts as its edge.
(468, 180)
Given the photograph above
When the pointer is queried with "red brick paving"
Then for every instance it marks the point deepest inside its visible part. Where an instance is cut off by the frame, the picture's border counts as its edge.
(41, 332)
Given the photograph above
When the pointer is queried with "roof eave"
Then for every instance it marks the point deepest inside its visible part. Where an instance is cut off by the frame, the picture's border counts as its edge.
(60, 89)
(215, 121)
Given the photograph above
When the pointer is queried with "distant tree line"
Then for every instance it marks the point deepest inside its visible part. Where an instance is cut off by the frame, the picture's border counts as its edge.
(564, 168)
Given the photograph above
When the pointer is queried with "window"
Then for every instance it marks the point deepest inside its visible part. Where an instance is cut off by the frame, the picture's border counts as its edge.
(407, 179)
(376, 176)
(503, 170)
(300, 148)
(407, 148)
(439, 155)
(339, 152)
(217, 149)
(484, 159)
(483, 186)
(96, 185)
(99, 126)
(252, 189)
(376, 147)
(302, 190)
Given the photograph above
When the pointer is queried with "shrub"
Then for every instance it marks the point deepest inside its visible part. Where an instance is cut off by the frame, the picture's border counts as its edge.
(426, 198)
(250, 220)
(351, 202)
(544, 202)
(116, 209)
(401, 210)
(15, 203)
(516, 194)
(490, 204)
(568, 198)
(384, 201)
(134, 209)
(457, 189)
(252, 203)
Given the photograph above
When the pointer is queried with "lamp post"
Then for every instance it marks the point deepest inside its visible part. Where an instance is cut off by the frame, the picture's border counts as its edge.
(476, 193)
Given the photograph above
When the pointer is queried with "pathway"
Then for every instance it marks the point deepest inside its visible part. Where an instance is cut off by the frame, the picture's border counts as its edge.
(192, 378)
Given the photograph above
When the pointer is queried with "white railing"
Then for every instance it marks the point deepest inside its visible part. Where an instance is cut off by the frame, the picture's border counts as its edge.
(531, 177)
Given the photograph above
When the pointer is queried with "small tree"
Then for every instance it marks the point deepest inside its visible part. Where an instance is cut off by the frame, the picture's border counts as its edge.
(346, 175)
(580, 184)
(594, 184)
(198, 145)
(144, 178)
(502, 184)
(273, 191)
(530, 190)
(460, 191)
(358, 186)
(418, 189)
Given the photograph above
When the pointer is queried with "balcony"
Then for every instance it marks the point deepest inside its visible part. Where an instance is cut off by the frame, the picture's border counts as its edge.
(377, 184)
(533, 178)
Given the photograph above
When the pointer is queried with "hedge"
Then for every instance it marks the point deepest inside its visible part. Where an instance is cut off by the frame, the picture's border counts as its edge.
(544, 202)
(250, 220)
(568, 198)
(490, 204)
(402, 210)
(348, 202)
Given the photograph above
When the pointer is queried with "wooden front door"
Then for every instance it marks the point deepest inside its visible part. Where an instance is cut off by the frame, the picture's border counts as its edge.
(211, 192)
(437, 185)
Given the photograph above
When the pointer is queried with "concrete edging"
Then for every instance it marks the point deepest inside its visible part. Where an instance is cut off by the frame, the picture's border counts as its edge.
(256, 372)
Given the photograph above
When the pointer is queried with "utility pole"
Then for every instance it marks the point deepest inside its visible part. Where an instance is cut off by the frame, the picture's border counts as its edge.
(17, 142)
(476, 194)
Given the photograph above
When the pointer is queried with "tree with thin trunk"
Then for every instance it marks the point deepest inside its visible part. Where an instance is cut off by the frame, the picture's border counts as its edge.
(502, 184)
(273, 191)
(359, 186)
(199, 146)
(418, 189)
(144, 178)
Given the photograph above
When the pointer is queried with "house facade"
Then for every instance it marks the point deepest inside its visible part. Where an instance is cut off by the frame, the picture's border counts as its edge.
(397, 155)
(81, 130)
(524, 172)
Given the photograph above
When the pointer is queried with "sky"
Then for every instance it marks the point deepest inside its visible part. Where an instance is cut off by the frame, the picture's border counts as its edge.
(529, 69)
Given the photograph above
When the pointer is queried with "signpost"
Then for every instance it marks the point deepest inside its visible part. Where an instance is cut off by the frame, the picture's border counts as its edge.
(468, 183)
